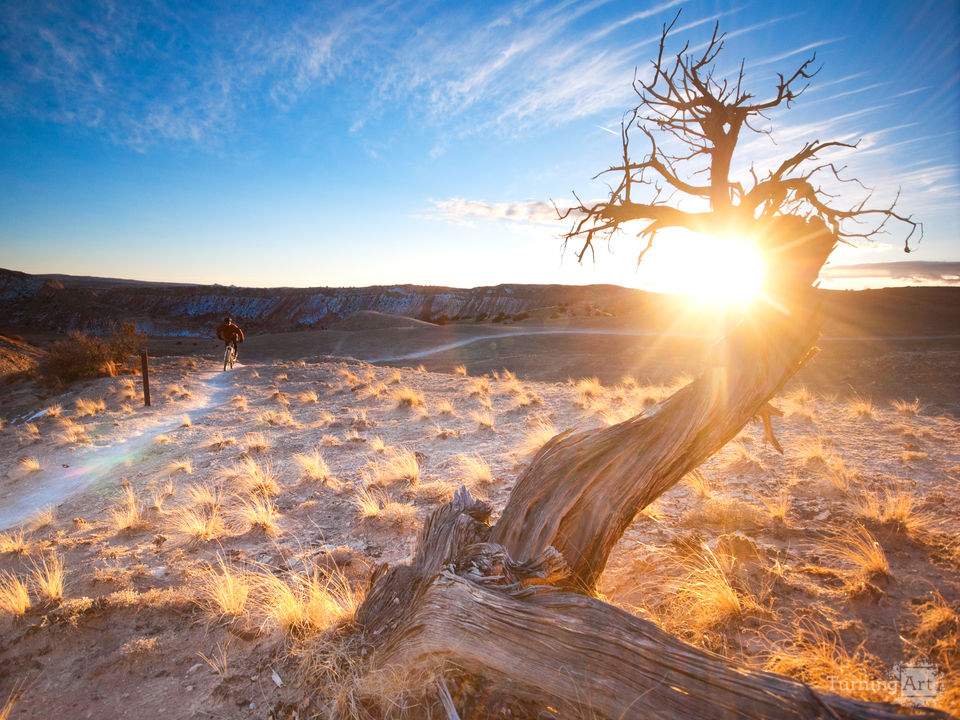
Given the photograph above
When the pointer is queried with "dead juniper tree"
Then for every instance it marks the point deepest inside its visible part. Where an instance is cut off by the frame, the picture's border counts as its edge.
(487, 618)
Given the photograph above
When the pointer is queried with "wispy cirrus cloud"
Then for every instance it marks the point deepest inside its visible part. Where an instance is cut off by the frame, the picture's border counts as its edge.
(460, 211)
(891, 273)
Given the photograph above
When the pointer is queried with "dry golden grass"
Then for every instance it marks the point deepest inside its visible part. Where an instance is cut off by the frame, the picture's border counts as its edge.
(178, 392)
(407, 397)
(377, 445)
(313, 465)
(702, 598)
(590, 387)
(860, 408)
(14, 595)
(308, 397)
(127, 514)
(814, 450)
(473, 470)
(375, 502)
(937, 630)
(352, 436)
(54, 411)
(255, 442)
(909, 456)
(777, 508)
(277, 418)
(223, 590)
(799, 402)
(904, 407)
(725, 513)
(178, 466)
(185, 421)
(218, 661)
(309, 601)
(219, 442)
(205, 495)
(396, 377)
(359, 419)
(536, 437)
(399, 465)
(30, 464)
(44, 517)
(460, 370)
(281, 398)
(13, 542)
(816, 655)
(837, 475)
(239, 402)
(896, 506)
(483, 419)
(435, 491)
(370, 501)
(160, 493)
(126, 389)
(443, 433)
(859, 550)
(350, 378)
(331, 440)
(72, 434)
(200, 522)
(511, 384)
(163, 439)
(258, 511)
(478, 387)
(48, 576)
(87, 407)
(740, 457)
(528, 399)
(255, 478)
(699, 483)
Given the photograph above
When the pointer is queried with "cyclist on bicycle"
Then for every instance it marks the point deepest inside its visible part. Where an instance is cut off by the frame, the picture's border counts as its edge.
(231, 334)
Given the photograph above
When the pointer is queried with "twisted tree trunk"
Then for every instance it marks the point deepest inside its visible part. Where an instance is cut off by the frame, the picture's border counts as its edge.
(513, 603)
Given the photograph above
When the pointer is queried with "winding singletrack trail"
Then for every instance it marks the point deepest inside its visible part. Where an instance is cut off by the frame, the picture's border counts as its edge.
(70, 471)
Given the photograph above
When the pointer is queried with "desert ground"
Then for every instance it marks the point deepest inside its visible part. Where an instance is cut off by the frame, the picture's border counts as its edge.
(198, 557)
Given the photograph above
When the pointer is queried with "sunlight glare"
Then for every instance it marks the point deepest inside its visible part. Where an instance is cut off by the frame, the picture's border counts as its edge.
(714, 270)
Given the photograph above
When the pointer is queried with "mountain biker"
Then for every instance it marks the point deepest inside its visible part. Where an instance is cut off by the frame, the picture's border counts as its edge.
(231, 334)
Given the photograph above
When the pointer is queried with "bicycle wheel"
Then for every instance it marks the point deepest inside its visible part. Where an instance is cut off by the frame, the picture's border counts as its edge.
(228, 358)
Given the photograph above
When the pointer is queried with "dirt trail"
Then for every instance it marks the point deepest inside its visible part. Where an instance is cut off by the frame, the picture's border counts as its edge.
(75, 470)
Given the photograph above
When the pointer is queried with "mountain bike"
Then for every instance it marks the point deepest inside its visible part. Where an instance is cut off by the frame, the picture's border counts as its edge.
(229, 357)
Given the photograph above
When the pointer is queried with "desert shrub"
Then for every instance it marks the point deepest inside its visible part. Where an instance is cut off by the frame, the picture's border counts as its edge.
(520, 316)
(84, 356)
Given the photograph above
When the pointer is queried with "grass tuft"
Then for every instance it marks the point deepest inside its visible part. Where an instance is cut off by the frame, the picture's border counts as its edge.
(90, 407)
(313, 465)
(474, 470)
(536, 437)
(30, 464)
(483, 419)
(858, 549)
(127, 514)
(14, 595)
(48, 576)
(223, 590)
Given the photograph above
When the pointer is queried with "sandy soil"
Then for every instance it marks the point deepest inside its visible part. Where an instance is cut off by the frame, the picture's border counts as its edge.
(136, 631)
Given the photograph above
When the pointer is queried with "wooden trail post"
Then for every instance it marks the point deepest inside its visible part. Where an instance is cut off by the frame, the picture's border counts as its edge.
(145, 374)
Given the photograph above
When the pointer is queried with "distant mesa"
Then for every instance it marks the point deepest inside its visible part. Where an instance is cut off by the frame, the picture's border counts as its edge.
(373, 320)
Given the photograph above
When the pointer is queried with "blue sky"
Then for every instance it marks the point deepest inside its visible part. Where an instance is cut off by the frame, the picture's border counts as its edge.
(284, 143)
